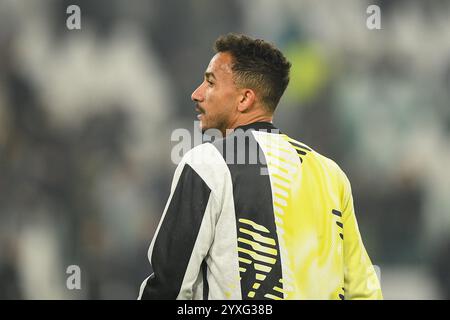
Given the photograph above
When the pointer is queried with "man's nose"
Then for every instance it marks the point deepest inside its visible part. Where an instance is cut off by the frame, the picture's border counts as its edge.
(197, 94)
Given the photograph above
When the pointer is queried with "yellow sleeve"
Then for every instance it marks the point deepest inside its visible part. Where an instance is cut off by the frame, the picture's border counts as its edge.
(360, 279)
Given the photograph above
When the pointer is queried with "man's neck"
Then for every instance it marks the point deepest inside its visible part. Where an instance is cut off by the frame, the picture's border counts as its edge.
(247, 120)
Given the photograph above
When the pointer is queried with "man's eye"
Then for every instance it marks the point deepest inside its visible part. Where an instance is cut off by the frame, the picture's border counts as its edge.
(210, 82)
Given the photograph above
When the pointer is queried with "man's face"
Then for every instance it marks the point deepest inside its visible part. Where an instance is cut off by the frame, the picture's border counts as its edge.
(217, 96)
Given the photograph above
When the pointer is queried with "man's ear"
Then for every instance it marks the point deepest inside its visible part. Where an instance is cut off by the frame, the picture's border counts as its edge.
(247, 99)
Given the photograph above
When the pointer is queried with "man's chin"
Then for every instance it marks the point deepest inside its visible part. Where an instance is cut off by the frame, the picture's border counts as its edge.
(201, 126)
(204, 128)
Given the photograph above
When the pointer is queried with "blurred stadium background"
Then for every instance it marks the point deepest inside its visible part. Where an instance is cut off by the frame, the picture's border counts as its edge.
(86, 118)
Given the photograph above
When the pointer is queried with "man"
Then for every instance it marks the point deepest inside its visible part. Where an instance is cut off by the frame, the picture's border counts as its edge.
(256, 214)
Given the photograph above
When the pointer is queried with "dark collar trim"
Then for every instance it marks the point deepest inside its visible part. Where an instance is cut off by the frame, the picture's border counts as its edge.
(259, 126)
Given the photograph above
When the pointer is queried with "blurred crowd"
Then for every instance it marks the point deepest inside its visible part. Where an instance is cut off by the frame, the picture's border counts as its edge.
(86, 118)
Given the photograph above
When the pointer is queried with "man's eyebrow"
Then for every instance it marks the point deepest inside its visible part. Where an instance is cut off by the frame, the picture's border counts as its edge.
(209, 74)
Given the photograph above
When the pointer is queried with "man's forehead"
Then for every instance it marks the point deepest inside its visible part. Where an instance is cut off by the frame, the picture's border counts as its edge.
(220, 63)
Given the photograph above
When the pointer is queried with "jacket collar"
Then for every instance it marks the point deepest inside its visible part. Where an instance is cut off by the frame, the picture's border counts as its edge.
(267, 126)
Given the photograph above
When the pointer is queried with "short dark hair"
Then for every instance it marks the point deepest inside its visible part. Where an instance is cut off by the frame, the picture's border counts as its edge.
(258, 65)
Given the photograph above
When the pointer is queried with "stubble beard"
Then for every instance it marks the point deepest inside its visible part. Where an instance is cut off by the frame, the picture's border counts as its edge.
(216, 123)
